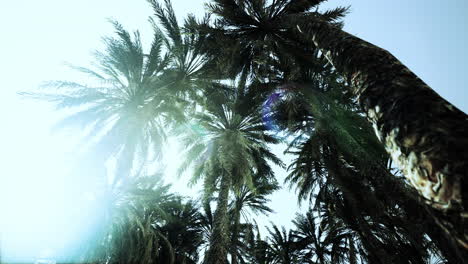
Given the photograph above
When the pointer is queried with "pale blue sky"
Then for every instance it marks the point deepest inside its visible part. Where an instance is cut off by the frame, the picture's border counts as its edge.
(429, 36)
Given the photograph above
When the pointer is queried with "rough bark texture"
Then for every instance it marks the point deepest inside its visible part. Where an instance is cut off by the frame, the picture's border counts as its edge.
(235, 232)
(217, 253)
(352, 251)
(425, 135)
(423, 215)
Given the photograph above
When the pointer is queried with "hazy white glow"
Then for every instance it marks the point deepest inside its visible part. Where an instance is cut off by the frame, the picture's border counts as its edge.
(45, 210)
(173, 157)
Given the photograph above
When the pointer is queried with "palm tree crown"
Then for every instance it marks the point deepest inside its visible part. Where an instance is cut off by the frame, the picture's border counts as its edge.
(128, 106)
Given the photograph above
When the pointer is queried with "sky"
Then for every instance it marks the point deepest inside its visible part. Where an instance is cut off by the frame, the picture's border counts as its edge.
(38, 214)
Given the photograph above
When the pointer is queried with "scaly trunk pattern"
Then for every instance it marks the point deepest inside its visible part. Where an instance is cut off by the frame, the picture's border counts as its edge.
(235, 231)
(422, 214)
(351, 251)
(424, 134)
(217, 253)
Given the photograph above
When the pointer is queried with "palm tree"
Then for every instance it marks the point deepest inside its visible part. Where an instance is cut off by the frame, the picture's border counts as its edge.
(373, 181)
(191, 68)
(283, 246)
(126, 109)
(135, 96)
(146, 223)
(184, 231)
(332, 161)
(248, 199)
(258, 249)
(313, 105)
(131, 231)
(227, 146)
(321, 241)
(423, 133)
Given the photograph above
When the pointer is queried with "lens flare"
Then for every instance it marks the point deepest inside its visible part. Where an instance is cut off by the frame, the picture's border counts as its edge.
(268, 111)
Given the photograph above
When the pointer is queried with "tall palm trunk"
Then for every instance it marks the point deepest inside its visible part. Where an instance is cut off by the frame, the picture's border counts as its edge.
(352, 251)
(235, 231)
(320, 255)
(217, 253)
(416, 211)
(424, 134)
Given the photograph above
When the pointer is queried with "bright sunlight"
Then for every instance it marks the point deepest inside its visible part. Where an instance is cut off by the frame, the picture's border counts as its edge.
(44, 210)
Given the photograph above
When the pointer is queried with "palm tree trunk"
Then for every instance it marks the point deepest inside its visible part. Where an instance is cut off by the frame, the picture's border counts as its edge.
(424, 134)
(217, 253)
(235, 231)
(321, 256)
(417, 212)
(352, 251)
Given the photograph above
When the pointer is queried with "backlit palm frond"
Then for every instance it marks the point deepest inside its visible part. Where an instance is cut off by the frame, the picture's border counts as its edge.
(126, 106)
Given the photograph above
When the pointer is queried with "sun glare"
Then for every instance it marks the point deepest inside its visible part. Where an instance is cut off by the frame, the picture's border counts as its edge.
(45, 212)
(48, 204)
(173, 156)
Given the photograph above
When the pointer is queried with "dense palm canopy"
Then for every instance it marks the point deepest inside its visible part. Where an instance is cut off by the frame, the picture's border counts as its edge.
(226, 87)
(322, 239)
(227, 148)
(283, 246)
(190, 67)
(254, 33)
(329, 167)
(134, 227)
(388, 93)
